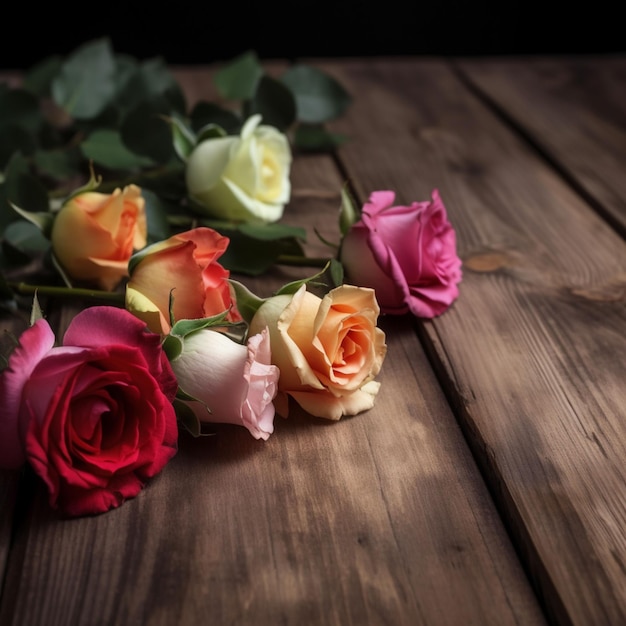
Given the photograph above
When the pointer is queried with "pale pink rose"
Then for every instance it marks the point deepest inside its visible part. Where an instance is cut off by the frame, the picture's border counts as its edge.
(406, 253)
(328, 349)
(236, 383)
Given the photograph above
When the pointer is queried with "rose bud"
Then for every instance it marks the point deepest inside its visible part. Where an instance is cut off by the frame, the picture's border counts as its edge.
(233, 383)
(95, 234)
(244, 178)
(328, 350)
(406, 253)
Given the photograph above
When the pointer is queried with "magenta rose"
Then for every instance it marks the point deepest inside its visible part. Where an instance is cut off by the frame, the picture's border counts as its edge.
(406, 253)
(94, 417)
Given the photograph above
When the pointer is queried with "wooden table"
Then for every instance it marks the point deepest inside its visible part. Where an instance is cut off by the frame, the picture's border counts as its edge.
(488, 484)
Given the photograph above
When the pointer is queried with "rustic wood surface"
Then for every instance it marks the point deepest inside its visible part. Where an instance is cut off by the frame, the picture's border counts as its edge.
(573, 111)
(487, 484)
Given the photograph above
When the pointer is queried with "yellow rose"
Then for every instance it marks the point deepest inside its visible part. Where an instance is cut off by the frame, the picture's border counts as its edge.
(244, 178)
(94, 235)
(328, 350)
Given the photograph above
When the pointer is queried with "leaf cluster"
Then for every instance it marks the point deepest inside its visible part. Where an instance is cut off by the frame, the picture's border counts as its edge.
(129, 120)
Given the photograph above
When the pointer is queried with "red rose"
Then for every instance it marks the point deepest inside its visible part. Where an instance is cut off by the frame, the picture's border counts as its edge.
(406, 253)
(94, 417)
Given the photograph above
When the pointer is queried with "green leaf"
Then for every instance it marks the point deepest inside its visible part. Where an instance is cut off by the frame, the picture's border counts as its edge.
(20, 108)
(238, 79)
(13, 140)
(22, 188)
(106, 148)
(292, 287)
(336, 272)
(205, 113)
(182, 328)
(319, 97)
(137, 83)
(85, 85)
(172, 346)
(57, 164)
(349, 212)
(248, 303)
(272, 232)
(187, 418)
(138, 256)
(274, 102)
(156, 215)
(254, 256)
(210, 131)
(43, 221)
(38, 79)
(183, 137)
(23, 241)
(145, 131)
(315, 138)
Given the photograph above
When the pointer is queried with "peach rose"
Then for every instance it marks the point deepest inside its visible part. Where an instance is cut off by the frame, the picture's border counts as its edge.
(328, 350)
(186, 266)
(95, 234)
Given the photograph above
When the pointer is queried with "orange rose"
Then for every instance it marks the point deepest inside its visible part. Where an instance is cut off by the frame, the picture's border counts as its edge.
(94, 235)
(328, 350)
(186, 266)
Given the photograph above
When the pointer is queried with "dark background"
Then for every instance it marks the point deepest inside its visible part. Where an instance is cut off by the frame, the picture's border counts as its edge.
(205, 32)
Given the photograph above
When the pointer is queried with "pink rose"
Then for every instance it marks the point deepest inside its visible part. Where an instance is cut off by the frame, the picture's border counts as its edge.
(94, 417)
(236, 383)
(406, 253)
(187, 266)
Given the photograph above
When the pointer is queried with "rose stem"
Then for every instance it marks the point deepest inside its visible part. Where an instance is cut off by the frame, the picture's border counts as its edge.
(87, 294)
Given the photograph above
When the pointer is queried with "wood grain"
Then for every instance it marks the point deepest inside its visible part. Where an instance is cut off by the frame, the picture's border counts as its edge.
(532, 353)
(378, 519)
(574, 110)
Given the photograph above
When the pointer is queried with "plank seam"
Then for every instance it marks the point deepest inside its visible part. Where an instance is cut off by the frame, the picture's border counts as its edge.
(528, 138)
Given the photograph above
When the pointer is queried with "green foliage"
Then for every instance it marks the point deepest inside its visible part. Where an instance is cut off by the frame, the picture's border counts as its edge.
(274, 102)
(106, 148)
(86, 83)
(319, 97)
(239, 79)
(254, 248)
(96, 110)
(316, 280)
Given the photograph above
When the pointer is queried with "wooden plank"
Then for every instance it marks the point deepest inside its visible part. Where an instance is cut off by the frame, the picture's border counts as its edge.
(381, 518)
(532, 353)
(573, 109)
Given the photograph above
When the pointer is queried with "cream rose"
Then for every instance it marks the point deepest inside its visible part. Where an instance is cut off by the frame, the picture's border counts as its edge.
(244, 178)
(328, 349)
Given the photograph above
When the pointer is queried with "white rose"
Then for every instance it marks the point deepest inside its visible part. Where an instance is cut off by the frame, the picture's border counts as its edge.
(243, 178)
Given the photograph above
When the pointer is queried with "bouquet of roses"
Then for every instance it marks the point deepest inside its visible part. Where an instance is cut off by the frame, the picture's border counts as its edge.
(97, 412)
